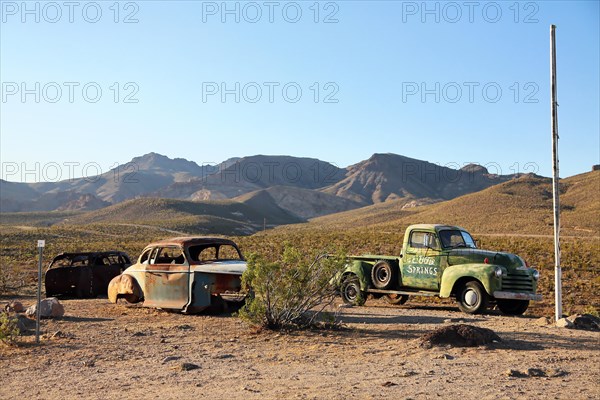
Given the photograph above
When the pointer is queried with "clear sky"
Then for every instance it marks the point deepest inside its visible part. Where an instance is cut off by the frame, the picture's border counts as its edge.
(447, 82)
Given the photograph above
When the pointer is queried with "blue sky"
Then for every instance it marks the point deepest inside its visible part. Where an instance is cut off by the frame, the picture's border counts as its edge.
(446, 82)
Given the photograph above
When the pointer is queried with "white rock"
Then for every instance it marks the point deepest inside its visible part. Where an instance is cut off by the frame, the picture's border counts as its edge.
(49, 308)
(564, 323)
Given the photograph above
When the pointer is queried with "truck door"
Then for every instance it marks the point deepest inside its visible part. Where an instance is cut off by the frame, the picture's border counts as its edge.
(421, 261)
(166, 283)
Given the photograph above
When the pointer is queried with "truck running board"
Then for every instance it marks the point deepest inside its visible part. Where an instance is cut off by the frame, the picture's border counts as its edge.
(410, 293)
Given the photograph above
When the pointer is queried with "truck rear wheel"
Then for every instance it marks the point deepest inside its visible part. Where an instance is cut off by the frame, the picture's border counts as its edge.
(512, 307)
(350, 291)
(396, 299)
(383, 275)
(472, 298)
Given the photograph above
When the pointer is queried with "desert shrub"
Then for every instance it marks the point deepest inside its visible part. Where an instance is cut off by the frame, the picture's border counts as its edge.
(3, 280)
(8, 328)
(292, 292)
(589, 309)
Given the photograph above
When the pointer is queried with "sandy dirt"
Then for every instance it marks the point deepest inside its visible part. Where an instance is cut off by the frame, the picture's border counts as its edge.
(99, 350)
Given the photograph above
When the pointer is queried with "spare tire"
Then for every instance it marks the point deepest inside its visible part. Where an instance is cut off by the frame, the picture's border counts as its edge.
(384, 275)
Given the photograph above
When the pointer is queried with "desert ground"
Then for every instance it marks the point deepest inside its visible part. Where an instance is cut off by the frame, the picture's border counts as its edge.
(99, 350)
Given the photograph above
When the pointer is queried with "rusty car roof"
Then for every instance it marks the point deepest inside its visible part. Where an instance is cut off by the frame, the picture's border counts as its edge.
(90, 253)
(192, 240)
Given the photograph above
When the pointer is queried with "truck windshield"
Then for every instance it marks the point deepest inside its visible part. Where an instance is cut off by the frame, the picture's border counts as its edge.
(452, 239)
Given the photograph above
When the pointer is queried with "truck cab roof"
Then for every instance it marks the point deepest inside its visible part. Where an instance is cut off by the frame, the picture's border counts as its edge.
(434, 227)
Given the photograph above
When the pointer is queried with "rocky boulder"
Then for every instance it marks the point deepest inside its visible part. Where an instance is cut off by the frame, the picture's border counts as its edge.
(49, 308)
(24, 324)
(564, 323)
(15, 306)
(586, 322)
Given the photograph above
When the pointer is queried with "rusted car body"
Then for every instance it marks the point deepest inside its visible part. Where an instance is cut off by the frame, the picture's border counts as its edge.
(84, 274)
(185, 274)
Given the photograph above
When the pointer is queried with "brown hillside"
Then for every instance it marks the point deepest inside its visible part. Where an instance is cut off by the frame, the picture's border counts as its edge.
(385, 177)
(223, 217)
(304, 203)
(522, 205)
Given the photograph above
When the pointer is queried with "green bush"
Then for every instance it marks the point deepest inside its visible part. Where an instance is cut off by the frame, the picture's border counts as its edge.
(290, 293)
(8, 328)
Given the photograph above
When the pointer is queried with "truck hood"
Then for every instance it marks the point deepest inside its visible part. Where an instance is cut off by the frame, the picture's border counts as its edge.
(477, 256)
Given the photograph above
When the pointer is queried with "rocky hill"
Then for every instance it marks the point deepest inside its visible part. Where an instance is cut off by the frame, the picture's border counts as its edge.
(385, 177)
(278, 190)
(521, 205)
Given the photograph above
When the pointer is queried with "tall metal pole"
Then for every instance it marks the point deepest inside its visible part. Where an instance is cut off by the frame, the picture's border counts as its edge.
(41, 244)
(555, 177)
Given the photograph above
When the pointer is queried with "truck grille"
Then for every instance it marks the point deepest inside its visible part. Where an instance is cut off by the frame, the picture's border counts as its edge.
(518, 282)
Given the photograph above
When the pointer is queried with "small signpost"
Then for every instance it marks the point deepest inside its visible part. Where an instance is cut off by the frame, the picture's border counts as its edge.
(40, 245)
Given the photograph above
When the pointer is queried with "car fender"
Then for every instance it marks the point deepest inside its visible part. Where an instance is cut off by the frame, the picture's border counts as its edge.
(484, 273)
(125, 286)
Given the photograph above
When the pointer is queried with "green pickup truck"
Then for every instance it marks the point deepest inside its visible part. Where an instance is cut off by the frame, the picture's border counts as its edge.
(442, 261)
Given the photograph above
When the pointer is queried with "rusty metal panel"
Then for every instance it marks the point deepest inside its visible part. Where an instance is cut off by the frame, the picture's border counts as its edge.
(226, 283)
(166, 286)
(83, 274)
(69, 281)
(173, 275)
(201, 291)
(212, 290)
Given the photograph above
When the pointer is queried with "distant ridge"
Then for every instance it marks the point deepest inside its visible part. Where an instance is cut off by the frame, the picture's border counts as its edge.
(219, 217)
(303, 203)
(281, 189)
(385, 177)
(521, 205)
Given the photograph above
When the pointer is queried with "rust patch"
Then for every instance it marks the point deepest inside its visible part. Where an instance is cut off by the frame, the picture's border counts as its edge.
(83, 274)
(126, 287)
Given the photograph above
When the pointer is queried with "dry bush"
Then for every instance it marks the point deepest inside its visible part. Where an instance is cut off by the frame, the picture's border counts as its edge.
(292, 292)
(9, 330)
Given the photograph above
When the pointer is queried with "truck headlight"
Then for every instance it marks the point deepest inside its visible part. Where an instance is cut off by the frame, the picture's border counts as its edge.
(498, 272)
(536, 274)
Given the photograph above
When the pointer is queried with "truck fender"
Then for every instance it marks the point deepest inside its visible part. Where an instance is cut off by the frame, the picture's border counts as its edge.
(484, 273)
(362, 270)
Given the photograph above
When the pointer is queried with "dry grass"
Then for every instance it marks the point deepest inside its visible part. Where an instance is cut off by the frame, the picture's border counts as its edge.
(513, 217)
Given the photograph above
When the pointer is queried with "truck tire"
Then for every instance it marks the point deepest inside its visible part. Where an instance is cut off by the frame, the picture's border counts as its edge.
(472, 298)
(383, 275)
(350, 291)
(396, 299)
(512, 307)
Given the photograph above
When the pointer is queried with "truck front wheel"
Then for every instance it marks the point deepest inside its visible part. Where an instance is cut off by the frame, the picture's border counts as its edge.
(472, 298)
(350, 291)
(513, 307)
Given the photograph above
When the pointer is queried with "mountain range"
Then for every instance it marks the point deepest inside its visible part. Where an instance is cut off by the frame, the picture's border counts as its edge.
(289, 180)
(243, 195)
